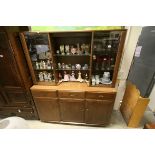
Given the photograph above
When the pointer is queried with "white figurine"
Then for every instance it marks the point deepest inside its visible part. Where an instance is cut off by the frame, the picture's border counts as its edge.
(86, 77)
(48, 64)
(93, 81)
(44, 65)
(66, 76)
(41, 77)
(41, 65)
(45, 76)
(67, 49)
(62, 49)
(37, 65)
(79, 77)
(72, 77)
(49, 76)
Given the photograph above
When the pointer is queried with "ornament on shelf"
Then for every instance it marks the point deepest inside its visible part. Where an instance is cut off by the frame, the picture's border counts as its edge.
(62, 49)
(63, 66)
(97, 79)
(60, 77)
(41, 76)
(94, 57)
(73, 50)
(66, 76)
(83, 46)
(41, 65)
(59, 66)
(57, 52)
(44, 65)
(37, 65)
(48, 64)
(104, 62)
(79, 52)
(67, 67)
(45, 76)
(73, 67)
(79, 77)
(78, 66)
(93, 81)
(67, 49)
(86, 77)
(49, 76)
(72, 77)
(106, 78)
(85, 67)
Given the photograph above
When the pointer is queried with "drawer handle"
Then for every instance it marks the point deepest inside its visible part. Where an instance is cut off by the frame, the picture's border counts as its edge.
(71, 95)
(19, 111)
(101, 96)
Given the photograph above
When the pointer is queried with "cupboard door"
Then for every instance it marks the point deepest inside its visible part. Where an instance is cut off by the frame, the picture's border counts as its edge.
(48, 109)
(98, 111)
(2, 101)
(72, 110)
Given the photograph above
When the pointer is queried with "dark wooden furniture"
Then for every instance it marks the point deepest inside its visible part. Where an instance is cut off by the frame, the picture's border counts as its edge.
(15, 79)
(74, 103)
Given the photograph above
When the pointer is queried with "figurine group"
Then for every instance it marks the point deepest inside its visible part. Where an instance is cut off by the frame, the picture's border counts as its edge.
(44, 65)
(68, 77)
(103, 63)
(45, 76)
(104, 80)
(73, 49)
(73, 67)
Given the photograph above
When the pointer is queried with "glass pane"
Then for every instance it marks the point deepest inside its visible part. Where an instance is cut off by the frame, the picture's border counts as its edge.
(105, 47)
(38, 46)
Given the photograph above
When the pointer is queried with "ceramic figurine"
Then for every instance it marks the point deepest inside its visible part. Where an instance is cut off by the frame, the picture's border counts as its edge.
(66, 76)
(59, 66)
(48, 64)
(73, 67)
(86, 77)
(49, 76)
(73, 50)
(41, 77)
(44, 65)
(57, 52)
(79, 77)
(45, 76)
(41, 65)
(93, 81)
(85, 67)
(63, 66)
(67, 49)
(79, 52)
(62, 49)
(106, 77)
(78, 66)
(37, 65)
(94, 57)
(97, 79)
(72, 77)
(83, 48)
(67, 66)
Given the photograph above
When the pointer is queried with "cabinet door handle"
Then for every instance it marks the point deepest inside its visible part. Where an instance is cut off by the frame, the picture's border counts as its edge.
(101, 96)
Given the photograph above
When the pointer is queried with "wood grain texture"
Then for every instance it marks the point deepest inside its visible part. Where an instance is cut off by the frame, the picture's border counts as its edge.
(133, 106)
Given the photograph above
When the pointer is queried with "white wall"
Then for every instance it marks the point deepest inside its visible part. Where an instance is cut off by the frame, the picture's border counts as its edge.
(128, 52)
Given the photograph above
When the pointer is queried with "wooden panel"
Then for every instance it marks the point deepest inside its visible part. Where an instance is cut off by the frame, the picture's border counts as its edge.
(48, 109)
(26, 113)
(72, 110)
(2, 101)
(100, 95)
(44, 93)
(133, 105)
(71, 94)
(98, 111)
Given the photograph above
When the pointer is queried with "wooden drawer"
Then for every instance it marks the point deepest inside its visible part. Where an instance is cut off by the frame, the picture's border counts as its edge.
(71, 94)
(44, 93)
(26, 113)
(100, 95)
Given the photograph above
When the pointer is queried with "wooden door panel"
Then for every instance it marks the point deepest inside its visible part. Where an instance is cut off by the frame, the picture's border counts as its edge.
(8, 70)
(72, 110)
(48, 109)
(2, 101)
(98, 111)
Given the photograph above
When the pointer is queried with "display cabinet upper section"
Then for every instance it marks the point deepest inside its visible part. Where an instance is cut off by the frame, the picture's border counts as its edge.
(86, 56)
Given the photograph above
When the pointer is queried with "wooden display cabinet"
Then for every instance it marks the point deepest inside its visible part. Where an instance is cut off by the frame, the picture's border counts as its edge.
(77, 59)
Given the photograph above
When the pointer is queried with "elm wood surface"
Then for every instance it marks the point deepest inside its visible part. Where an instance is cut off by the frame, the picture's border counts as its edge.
(75, 86)
(98, 111)
(48, 108)
(133, 105)
(72, 110)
